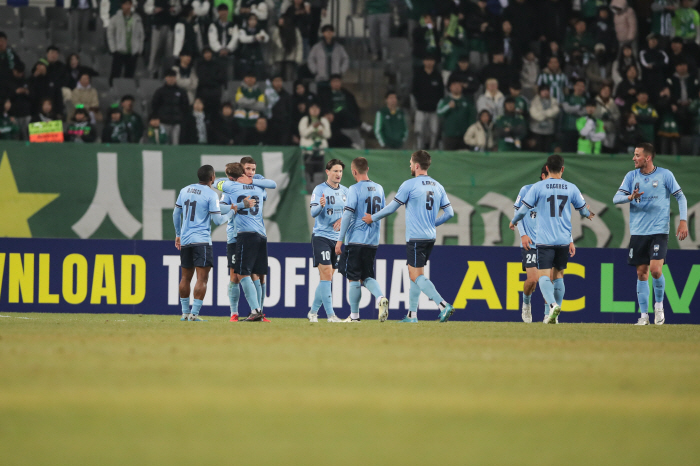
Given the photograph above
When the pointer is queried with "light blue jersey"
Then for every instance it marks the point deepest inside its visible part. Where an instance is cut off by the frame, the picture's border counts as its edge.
(651, 213)
(198, 202)
(226, 198)
(231, 232)
(364, 197)
(246, 220)
(528, 225)
(423, 198)
(553, 198)
(327, 216)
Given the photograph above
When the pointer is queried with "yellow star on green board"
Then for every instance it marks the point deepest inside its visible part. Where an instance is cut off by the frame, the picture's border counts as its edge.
(17, 208)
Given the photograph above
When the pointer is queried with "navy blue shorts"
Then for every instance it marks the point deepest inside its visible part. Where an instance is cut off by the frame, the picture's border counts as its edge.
(529, 258)
(230, 254)
(357, 262)
(251, 254)
(196, 255)
(324, 251)
(552, 257)
(418, 253)
(647, 248)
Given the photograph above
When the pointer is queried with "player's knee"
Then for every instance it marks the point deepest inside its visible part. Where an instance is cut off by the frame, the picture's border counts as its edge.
(656, 272)
(642, 276)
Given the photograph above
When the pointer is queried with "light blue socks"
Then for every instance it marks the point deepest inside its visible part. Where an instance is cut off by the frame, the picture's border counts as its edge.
(258, 290)
(354, 295)
(318, 300)
(196, 306)
(643, 296)
(413, 298)
(427, 287)
(263, 292)
(326, 296)
(251, 294)
(527, 298)
(547, 289)
(659, 286)
(373, 286)
(234, 295)
(559, 290)
(185, 303)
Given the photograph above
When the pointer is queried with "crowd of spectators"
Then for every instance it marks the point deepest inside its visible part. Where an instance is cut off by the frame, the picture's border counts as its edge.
(586, 76)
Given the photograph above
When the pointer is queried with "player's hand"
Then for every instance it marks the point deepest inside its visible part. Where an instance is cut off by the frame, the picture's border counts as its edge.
(512, 226)
(682, 231)
(177, 243)
(234, 207)
(572, 250)
(336, 225)
(323, 200)
(338, 249)
(635, 194)
(367, 219)
(526, 242)
(245, 180)
(590, 217)
(248, 202)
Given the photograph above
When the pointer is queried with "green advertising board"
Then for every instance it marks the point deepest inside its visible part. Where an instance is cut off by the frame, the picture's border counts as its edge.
(128, 191)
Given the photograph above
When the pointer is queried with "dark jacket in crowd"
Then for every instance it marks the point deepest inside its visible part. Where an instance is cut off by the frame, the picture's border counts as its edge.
(428, 89)
(522, 16)
(281, 118)
(72, 76)
(470, 80)
(504, 73)
(40, 88)
(553, 19)
(255, 138)
(170, 104)
(225, 131)
(343, 106)
(21, 103)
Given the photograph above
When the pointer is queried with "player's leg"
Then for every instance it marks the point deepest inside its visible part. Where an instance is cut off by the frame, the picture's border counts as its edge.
(234, 289)
(657, 253)
(187, 274)
(245, 260)
(318, 254)
(557, 278)
(639, 250)
(413, 299)
(203, 261)
(325, 289)
(258, 288)
(418, 254)
(529, 261)
(260, 271)
(350, 265)
(367, 258)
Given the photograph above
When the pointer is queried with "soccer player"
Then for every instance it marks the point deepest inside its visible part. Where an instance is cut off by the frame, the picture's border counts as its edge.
(649, 225)
(249, 167)
(423, 198)
(193, 237)
(327, 204)
(528, 249)
(553, 198)
(251, 240)
(357, 261)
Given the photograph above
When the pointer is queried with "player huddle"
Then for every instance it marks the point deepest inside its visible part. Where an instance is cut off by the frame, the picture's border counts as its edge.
(352, 217)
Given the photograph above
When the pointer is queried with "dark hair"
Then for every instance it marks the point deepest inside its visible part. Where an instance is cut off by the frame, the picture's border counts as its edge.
(19, 66)
(647, 148)
(682, 61)
(246, 160)
(153, 116)
(170, 73)
(234, 170)
(250, 73)
(544, 171)
(515, 85)
(463, 57)
(288, 34)
(677, 40)
(361, 165)
(581, 80)
(422, 158)
(185, 53)
(3, 35)
(124, 1)
(207, 49)
(335, 76)
(327, 27)
(333, 162)
(222, 7)
(127, 97)
(205, 172)
(509, 100)
(52, 47)
(226, 104)
(390, 92)
(555, 163)
(542, 87)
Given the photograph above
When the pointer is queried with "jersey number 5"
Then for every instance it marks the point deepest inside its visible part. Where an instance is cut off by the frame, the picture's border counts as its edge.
(429, 200)
(373, 204)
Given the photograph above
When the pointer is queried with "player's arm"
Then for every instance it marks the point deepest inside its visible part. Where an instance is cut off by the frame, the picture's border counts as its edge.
(318, 201)
(385, 212)
(528, 202)
(177, 221)
(675, 189)
(580, 204)
(519, 215)
(264, 183)
(215, 210)
(447, 210)
(625, 193)
(348, 213)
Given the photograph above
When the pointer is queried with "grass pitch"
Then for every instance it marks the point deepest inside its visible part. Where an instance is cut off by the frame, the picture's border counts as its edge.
(124, 389)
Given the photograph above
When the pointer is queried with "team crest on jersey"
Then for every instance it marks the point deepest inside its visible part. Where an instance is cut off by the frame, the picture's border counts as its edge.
(656, 248)
(533, 214)
(344, 198)
(329, 211)
(655, 183)
(631, 253)
(313, 197)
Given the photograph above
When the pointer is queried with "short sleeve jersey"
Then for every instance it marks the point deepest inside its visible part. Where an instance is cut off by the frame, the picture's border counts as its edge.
(198, 202)
(332, 212)
(246, 220)
(651, 213)
(423, 198)
(364, 197)
(553, 198)
(529, 222)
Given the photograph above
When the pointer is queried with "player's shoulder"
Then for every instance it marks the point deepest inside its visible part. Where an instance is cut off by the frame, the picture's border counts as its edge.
(525, 189)
(258, 176)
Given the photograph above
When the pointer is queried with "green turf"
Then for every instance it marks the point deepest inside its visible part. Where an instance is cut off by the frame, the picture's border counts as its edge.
(124, 389)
